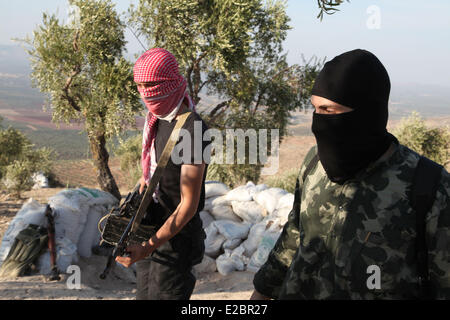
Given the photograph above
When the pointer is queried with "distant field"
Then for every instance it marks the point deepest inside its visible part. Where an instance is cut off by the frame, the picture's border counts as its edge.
(21, 107)
(68, 143)
(81, 173)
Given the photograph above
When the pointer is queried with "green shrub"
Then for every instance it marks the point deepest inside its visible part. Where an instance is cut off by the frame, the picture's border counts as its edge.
(233, 175)
(19, 160)
(12, 145)
(17, 177)
(129, 152)
(285, 180)
(432, 143)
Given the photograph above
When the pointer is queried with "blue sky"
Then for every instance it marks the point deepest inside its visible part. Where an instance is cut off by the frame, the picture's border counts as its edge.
(413, 40)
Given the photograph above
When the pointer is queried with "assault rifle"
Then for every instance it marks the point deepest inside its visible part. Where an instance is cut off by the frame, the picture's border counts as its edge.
(54, 275)
(126, 213)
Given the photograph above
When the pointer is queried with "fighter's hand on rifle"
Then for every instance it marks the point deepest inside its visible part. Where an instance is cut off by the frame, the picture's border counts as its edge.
(136, 253)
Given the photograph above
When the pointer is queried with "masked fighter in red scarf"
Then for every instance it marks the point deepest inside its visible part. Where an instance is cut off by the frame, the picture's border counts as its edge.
(164, 263)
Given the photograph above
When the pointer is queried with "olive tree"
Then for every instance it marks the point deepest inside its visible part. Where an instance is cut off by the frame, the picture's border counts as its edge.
(232, 50)
(81, 68)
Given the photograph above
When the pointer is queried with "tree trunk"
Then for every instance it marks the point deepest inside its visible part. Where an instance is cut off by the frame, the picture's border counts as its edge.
(100, 155)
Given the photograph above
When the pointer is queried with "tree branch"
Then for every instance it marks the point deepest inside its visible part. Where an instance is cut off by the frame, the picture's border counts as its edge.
(202, 85)
(218, 107)
(75, 72)
(212, 119)
(189, 80)
(66, 87)
(258, 101)
(75, 41)
(195, 87)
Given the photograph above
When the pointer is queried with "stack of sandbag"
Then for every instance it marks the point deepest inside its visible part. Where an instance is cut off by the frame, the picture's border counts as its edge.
(243, 224)
(76, 215)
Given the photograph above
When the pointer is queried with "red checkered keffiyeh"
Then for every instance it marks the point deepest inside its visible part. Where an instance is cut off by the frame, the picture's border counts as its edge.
(159, 66)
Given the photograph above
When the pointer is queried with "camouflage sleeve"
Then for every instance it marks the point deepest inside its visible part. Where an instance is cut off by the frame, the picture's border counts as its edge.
(438, 236)
(269, 279)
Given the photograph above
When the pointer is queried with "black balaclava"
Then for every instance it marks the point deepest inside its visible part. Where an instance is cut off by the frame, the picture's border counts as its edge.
(349, 142)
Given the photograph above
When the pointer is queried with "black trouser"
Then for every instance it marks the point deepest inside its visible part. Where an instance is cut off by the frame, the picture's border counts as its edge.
(166, 274)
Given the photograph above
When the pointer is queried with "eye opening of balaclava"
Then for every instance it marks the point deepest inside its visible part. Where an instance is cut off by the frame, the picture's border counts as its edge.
(350, 141)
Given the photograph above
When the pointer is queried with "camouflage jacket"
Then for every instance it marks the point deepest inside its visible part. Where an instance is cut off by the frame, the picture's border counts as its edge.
(335, 232)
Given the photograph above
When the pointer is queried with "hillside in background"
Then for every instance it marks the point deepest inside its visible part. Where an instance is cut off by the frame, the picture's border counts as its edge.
(21, 106)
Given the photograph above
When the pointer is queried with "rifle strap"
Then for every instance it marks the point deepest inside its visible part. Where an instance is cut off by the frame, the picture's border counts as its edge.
(423, 193)
(173, 139)
(312, 163)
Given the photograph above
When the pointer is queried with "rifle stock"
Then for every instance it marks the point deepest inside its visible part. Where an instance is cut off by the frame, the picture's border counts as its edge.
(54, 276)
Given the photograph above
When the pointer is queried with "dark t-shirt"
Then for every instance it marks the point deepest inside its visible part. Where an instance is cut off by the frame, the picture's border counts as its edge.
(169, 186)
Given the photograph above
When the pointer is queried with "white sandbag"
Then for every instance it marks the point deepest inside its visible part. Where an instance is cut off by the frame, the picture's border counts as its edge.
(262, 253)
(254, 238)
(208, 203)
(98, 197)
(257, 232)
(240, 193)
(65, 256)
(282, 214)
(206, 218)
(224, 213)
(32, 212)
(286, 201)
(216, 201)
(249, 211)
(232, 230)
(269, 198)
(230, 261)
(213, 241)
(72, 207)
(90, 235)
(261, 187)
(69, 223)
(208, 265)
(231, 244)
(225, 265)
(215, 188)
(71, 199)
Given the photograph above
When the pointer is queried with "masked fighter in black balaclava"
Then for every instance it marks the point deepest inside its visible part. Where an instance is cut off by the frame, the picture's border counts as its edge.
(348, 142)
(356, 229)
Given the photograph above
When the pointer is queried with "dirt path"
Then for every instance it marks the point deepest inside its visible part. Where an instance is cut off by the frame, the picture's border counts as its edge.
(236, 286)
